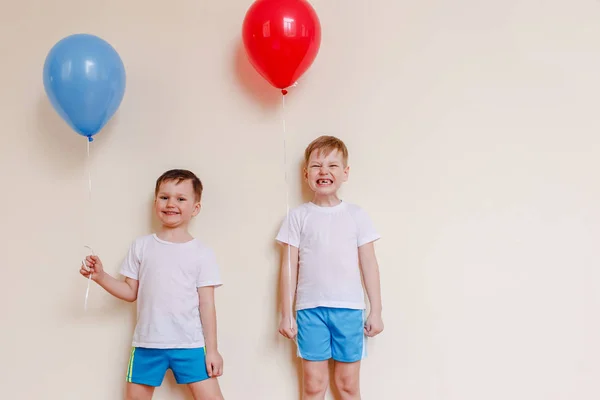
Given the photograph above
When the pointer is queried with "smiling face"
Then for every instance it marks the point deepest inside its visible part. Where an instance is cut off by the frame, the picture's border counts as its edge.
(176, 203)
(325, 173)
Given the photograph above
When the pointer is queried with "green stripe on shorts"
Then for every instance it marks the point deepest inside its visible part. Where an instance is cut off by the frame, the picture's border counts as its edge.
(130, 367)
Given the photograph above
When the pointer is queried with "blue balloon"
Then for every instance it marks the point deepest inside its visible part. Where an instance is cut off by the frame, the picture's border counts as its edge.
(84, 79)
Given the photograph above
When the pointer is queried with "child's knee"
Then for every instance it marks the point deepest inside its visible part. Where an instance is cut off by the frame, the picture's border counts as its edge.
(347, 383)
(315, 384)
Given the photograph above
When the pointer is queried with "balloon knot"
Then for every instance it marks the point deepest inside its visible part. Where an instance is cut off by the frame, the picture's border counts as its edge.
(284, 92)
(90, 139)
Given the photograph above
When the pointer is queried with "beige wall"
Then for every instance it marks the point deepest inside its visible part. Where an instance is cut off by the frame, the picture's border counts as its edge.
(474, 138)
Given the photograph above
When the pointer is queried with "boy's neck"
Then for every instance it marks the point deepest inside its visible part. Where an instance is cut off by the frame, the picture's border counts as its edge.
(174, 235)
(326, 201)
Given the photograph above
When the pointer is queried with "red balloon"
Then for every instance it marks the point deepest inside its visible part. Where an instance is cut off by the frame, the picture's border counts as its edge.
(282, 39)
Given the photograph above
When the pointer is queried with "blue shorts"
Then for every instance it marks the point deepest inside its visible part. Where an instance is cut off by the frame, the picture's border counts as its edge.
(148, 366)
(325, 333)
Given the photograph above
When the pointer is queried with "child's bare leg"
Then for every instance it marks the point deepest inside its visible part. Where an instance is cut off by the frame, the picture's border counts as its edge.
(347, 380)
(135, 391)
(315, 379)
(208, 389)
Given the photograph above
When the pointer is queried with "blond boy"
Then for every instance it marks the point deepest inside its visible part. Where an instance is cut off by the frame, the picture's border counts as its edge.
(328, 244)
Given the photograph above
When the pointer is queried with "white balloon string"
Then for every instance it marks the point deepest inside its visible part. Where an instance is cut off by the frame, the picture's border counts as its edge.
(88, 212)
(89, 171)
(87, 292)
(287, 212)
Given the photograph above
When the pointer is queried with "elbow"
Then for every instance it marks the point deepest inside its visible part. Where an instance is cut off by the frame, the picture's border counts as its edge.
(131, 299)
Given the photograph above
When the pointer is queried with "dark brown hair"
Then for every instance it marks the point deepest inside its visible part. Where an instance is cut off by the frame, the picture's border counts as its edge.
(325, 145)
(180, 175)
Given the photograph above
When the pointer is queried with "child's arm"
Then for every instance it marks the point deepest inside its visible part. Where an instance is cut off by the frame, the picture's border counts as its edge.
(124, 290)
(208, 316)
(287, 327)
(370, 272)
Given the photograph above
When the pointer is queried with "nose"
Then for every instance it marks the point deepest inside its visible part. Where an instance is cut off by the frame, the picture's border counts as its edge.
(170, 202)
(323, 170)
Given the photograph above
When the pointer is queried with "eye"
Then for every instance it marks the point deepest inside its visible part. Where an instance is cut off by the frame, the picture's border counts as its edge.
(163, 197)
(181, 199)
(315, 166)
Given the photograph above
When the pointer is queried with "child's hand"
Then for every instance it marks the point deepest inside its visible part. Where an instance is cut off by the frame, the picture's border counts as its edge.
(287, 330)
(94, 267)
(214, 363)
(374, 325)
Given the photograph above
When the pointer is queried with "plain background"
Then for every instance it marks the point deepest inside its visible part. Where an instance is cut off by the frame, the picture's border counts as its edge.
(473, 130)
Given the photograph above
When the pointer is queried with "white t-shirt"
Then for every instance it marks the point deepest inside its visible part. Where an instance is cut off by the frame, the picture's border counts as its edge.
(169, 276)
(328, 239)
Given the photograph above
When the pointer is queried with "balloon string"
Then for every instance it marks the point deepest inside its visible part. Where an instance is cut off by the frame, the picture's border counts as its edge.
(287, 210)
(89, 171)
(87, 292)
(89, 179)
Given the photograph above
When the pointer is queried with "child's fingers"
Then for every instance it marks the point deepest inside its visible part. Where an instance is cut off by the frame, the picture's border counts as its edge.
(289, 333)
(284, 333)
(372, 331)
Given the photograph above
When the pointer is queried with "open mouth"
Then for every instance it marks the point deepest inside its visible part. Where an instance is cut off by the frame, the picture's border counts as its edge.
(170, 213)
(324, 182)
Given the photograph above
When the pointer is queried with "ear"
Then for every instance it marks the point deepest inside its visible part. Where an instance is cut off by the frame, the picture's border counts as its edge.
(305, 173)
(197, 208)
(346, 172)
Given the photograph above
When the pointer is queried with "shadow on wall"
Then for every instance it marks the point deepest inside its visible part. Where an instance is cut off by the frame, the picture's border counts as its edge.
(252, 83)
(306, 195)
(64, 148)
(294, 359)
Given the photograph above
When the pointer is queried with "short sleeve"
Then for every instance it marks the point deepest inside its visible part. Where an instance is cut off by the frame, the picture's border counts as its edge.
(131, 264)
(366, 229)
(289, 232)
(208, 273)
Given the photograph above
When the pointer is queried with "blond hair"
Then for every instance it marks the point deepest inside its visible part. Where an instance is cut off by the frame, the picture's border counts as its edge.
(325, 145)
